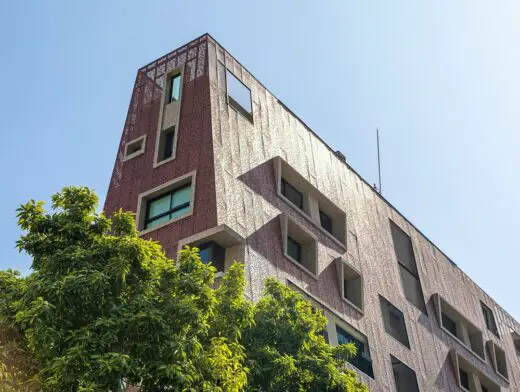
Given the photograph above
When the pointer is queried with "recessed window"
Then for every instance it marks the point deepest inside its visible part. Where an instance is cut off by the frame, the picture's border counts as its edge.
(352, 285)
(405, 378)
(294, 249)
(516, 341)
(135, 147)
(169, 206)
(175, 88)
(300, 245)
(292, 194)
(166, 144)
(459, 327)
(464, 379)
(498, 359)
(393, 320)
(239, 96)
(407, 267)
(362, 360)
(211, 252)
(489, 318)
(326, 221)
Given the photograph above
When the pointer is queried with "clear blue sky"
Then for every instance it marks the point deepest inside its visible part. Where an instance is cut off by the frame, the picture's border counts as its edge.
(441, 79)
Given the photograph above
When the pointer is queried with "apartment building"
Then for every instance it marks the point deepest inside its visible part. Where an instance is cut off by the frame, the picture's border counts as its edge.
(210, 157)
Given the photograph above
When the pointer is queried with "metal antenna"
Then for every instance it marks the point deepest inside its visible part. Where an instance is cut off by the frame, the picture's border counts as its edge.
(378, 160)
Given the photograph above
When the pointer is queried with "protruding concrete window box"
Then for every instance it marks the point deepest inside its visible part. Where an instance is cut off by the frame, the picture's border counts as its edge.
(166, 203)
(459, 327)
(404, 377)
(350, 282)
(308, 201)
(219, 245)
(469, 378)
(394, 322)
(299, 245)
(135, 147)
(498, 360)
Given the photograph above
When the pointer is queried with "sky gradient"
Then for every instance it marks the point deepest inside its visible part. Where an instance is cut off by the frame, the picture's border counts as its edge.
(441, 80)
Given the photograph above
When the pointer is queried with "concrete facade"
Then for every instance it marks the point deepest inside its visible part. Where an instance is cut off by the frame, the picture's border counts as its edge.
(239, 161)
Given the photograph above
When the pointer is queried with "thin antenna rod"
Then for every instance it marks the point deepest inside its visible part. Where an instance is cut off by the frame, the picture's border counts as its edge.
(378, 160)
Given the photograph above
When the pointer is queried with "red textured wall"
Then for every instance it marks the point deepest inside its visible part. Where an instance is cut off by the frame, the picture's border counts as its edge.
(194, 144)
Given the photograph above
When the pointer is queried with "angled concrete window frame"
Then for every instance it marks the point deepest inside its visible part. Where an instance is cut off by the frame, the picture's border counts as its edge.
(239, 96)
(345, 333)
(469, 378)
(308, 241)
(404, 377)
(489, 319)
(394, 321)
(163, 189)
(498, 360)
(169, 117)
(223, 236)
(467, 334)
(135, 147)
(313, 203)
(350, 282)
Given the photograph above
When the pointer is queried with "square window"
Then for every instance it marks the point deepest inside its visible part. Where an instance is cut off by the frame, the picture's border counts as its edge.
(175, 88)
(404, 377)
(166, 207)
(326, 221)
(394, 322)
(292, 194)
(489, 318)
(239, 96)
(294, 249)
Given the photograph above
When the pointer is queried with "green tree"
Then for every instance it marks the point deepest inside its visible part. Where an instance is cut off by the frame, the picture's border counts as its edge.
(104, 308)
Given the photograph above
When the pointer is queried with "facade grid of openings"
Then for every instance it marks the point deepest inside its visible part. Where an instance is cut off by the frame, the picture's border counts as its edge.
(209, 157)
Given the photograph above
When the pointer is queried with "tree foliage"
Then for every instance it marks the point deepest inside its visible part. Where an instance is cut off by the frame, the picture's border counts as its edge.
(104, 308)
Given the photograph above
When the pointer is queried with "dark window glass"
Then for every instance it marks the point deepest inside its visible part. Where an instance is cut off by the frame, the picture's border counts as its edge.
(464, 379)
(294, 249)
(168, 206)
(326, 222)
(449, 324)
(484, 389)
(175, 88)
(166, 140)
(213, 253)
(239, 95)
(291, 193)
(489, 318)
(412, 288)
(394, 321)
(362, 360)
(405, 378)
(403, 248)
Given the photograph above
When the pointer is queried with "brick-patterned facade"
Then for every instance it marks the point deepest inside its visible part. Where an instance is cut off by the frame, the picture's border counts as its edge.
(236, 189)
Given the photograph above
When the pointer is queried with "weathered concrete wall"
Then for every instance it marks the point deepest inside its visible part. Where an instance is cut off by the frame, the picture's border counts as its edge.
(247, 202)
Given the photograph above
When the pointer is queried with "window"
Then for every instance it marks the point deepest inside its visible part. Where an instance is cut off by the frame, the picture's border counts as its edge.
(166, 144)
(516, 341)
(459, 327)
(362, 360)
(294, 249)
(393, 320)
(498, 359)
(171, 205)
(326, 222)
(489, 319)
(134, 147)
(449, 324)
(213, 253)
(239, 96)
(292, 194)
(175, 88)
(351, 284)
(405, 378)
(464, 379)
(407, 267)
(300, 245)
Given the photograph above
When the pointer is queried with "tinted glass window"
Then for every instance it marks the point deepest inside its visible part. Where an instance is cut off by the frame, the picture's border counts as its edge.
(175, 88)
(464, 379)
(326, 222)
(449, 324)
(214, 253)
(362, 360)
(169, 206)
(293, 194)
(394, 321)
(294, 249)
(489, 319)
